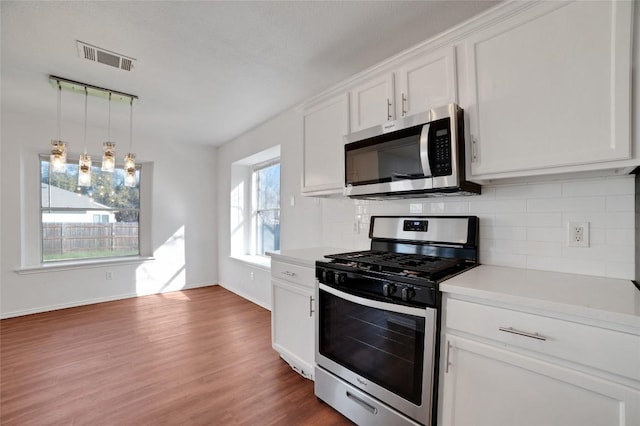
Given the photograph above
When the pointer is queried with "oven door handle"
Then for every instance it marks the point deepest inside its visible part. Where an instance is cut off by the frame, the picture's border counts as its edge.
(392, 307)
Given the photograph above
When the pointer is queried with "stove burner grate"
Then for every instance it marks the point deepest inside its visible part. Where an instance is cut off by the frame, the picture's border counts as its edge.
(401, 263)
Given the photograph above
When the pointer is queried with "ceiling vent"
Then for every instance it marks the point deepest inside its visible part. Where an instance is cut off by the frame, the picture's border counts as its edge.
(97, 54)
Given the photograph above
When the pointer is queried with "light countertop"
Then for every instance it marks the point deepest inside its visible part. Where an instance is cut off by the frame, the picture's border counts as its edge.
(305, 256)
(614, 301)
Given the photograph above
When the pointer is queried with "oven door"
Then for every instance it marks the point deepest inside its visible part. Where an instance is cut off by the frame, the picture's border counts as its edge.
(385, 349)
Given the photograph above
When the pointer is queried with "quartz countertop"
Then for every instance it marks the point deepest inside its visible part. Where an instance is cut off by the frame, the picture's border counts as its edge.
(615, 301)
(305, 256)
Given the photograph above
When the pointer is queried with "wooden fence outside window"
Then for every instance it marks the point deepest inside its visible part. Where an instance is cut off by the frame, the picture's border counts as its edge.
(69, 240)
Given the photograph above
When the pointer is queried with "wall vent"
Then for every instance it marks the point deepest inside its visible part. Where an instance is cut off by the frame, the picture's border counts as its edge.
(103, 56)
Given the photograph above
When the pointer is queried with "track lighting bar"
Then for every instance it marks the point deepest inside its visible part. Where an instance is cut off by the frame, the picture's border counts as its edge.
(101, 92)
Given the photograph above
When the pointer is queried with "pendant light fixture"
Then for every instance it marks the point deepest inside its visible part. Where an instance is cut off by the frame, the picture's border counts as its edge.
(58, 158)
(84, 165)
(130, 158)
(109, 148)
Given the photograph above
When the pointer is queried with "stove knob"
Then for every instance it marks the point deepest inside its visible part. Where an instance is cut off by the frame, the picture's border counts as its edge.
(407, 293)
(388, 289)
(340, 279)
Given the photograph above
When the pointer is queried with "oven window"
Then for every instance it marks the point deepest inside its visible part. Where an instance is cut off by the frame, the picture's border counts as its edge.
(384, 347)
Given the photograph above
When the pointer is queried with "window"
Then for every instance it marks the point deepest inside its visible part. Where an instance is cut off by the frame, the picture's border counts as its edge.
(255, 206)
(99, 221)
(266, 189)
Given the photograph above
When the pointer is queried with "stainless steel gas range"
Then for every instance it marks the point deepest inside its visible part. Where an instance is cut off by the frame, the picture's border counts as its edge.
(377, 327)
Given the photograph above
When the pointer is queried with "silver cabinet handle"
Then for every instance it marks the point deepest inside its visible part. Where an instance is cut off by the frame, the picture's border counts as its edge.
(289, 273)
(404, 103)
(447, 362)
(522, 333)
(388, 109)
(311, 311)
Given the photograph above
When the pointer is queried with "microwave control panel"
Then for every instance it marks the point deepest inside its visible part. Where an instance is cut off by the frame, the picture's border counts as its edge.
(440, 148)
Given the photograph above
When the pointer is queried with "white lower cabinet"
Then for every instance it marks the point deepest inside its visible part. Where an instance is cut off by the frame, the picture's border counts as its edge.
(292, 316)
(514, 381)
(492, 386)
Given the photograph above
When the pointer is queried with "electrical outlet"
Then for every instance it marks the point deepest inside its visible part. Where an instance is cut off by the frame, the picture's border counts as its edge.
(108, 275)
(578, 234)
(253, 276)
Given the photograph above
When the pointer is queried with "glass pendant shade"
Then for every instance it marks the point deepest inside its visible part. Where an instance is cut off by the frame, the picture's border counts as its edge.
(84, 170)
(109, 157)
(58, 157)
(130, 170)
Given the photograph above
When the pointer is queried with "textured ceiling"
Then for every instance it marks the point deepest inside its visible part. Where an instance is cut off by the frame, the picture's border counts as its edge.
(208, 71)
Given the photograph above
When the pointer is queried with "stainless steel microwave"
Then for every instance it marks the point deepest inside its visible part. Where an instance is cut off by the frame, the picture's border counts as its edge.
(417, 156)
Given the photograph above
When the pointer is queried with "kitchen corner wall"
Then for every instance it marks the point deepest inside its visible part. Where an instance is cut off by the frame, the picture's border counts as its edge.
(521, 225)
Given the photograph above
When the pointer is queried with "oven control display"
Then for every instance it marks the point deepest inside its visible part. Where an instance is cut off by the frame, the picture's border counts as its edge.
(415, 225)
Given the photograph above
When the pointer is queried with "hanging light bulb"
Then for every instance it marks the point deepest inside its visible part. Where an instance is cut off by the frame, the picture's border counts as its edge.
(109, 148)
(130, 158)
(84, 165)
(84, 170)
(58, 158)
(108, 157)
(130, 170)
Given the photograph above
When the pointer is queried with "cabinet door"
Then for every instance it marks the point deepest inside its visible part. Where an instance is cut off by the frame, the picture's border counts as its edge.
(292, 325)
(427, 82)
(372, 103)
(486, 385)
(324, 128)
(550, 88)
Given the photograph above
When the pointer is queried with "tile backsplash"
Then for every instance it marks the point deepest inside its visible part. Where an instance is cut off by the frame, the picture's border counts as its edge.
(521, 225)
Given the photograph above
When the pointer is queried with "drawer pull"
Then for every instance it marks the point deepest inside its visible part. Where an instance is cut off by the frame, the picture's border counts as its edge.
(311, 311)
(522, 333)
(289, 273)
(370, 408)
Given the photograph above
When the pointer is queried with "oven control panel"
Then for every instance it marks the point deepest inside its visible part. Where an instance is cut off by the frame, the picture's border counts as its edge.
(415, 225)
(380, 287)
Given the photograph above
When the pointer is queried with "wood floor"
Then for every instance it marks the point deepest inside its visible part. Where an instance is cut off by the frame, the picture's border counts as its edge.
(195, 357)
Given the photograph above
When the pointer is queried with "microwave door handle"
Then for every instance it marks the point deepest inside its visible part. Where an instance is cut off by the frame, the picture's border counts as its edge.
(424, 150)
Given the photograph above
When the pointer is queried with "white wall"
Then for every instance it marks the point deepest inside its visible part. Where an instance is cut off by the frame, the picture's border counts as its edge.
(183, 218)
(301, 224)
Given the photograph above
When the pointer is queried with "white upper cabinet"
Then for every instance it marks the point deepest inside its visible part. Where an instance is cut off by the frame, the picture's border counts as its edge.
(325, 125)
(372, 103)
(424, 82)
(427, 82)
(549, 89)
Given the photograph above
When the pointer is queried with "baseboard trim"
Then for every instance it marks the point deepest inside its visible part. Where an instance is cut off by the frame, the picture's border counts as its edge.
(6, 315)
(245, 296)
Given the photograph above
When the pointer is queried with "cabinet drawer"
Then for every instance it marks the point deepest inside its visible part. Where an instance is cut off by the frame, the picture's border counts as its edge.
(293, 273)
(608, 350)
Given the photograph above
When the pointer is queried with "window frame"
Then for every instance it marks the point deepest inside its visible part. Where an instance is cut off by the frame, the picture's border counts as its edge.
(255, 203)
(80, 261)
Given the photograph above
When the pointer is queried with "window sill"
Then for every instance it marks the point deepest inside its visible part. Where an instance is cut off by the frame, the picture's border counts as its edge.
(263, 262)
(71, 265)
